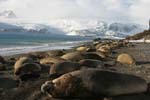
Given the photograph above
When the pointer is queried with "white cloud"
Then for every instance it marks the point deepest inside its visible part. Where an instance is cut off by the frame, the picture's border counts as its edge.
(125, 10)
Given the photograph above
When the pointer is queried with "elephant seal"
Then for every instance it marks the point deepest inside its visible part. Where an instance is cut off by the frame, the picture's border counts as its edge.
(28, 70)
(55, 53)
(93, 83)
(51, 60)
(126, 59)
(104, 49)
(2, 67)
(60, 68)
(73, 56)
(82, 49)
(2, 60)
(91, 63)
(20, 62)
(92, 55)
(38, 55)
(101, 54)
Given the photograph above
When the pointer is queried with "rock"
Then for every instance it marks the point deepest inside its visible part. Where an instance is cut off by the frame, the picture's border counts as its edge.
(125, 59)
(60, 68)
(51, 60)
(93, 83)
(72, 56)
(28, 70)
(91, 63)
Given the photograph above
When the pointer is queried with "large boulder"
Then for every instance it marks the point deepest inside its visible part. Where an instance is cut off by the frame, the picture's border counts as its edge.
(93, 83)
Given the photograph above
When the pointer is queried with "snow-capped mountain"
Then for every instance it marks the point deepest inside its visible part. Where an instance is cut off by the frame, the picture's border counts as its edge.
(91, 28)
(125, 28)
(7, 14)
(82, 27)
(98, 28)
(28, 27)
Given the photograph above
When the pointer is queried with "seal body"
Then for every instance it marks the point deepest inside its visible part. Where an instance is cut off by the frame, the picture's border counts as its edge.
(51, 60)
(28, 71)
(82, 49)
(93, 83)
(91, 63)
(125, 59)
(60, 68)
(21, 61)
(73, 56)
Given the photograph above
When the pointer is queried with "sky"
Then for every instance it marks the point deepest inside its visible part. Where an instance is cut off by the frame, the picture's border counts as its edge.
(117, 10)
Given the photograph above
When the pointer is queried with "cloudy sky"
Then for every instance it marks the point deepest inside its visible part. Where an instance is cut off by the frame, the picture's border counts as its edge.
(121, 10)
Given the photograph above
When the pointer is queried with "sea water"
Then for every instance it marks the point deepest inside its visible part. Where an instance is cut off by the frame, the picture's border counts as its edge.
(22, 42)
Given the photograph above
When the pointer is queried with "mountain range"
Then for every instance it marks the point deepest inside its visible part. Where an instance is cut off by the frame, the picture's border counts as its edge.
(90, 28)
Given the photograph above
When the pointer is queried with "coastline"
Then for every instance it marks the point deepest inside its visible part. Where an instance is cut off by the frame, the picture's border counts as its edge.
(139, 51)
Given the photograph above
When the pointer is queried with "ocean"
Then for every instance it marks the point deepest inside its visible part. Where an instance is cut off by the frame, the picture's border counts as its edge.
(12, 43)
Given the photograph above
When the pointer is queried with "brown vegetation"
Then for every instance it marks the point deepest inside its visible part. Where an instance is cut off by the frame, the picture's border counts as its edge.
(145, 35)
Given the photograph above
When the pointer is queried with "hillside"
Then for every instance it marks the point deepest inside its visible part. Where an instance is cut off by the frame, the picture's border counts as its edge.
(145, 34)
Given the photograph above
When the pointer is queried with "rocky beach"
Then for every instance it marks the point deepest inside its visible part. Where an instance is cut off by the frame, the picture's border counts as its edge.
(103, 69)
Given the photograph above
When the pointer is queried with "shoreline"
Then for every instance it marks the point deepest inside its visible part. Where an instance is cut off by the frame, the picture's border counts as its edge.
(66, 45)
(65, 48)
(138, 50)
